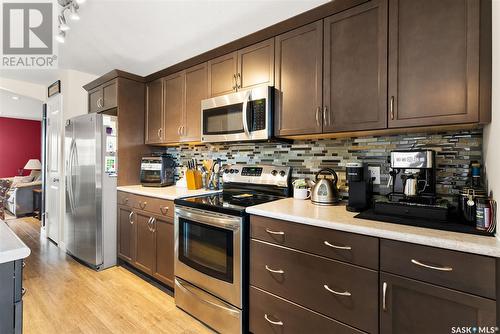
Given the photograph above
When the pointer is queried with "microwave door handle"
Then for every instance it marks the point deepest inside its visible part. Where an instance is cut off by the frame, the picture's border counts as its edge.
(245, 114)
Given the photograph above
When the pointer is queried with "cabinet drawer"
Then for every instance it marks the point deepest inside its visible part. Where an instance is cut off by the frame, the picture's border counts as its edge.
(271, 314)
(158, 206)
(341, 291)
(126, 199)
(461, 271)
(343, 246)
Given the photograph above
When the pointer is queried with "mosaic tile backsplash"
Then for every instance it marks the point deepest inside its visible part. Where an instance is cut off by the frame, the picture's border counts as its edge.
(454, 153)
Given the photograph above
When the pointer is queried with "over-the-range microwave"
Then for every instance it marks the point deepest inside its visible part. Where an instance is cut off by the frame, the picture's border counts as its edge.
(241, 116)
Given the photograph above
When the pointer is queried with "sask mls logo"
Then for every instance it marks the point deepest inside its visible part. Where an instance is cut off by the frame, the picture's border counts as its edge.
(27, 38)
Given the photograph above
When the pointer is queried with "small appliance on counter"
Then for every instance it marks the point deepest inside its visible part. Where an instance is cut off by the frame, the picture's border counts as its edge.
(360, 186)
(413, 199)
(325, 191)
(157, 171)
(212, 237)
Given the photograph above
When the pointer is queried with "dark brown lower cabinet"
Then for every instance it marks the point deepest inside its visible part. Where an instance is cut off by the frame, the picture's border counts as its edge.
(272, 314)
(144, 245)
(163, 268)
(411, 307)
(126, 233)
(146, 240)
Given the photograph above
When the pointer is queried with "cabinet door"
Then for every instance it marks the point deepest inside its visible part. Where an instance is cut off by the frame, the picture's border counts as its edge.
(355, 69)
(222, 74)
(154, 112)
(173, 95)
(256, 65)
(433, 62)
(144, 245)
(95, 99)
(410, 306)
(164, 249)
(109, 95)
(126, 233)
(299, 80)
(196, 90)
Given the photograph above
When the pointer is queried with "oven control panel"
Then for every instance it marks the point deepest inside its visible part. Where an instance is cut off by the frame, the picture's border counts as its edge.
(258, 174)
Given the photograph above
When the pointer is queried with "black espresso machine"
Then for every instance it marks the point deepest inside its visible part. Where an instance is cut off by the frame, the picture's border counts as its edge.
(157, 171)
(413, 187)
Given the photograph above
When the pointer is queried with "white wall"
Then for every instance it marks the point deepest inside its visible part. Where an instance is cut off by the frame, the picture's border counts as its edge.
(28, 89)
(491, 138)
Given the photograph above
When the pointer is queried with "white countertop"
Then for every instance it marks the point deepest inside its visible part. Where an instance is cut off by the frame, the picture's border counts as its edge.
(169, 193)
(338, 218)
(11, 247)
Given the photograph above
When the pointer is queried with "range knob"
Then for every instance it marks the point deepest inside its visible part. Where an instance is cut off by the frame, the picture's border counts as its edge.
(231, 171)
(236, 171)
(282, 173)
(226, 171)
(274, 172)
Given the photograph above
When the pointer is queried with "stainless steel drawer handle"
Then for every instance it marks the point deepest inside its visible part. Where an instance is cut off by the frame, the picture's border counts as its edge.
(345, 293)
(164, 209)
(275, 271)
(418, 263)
(275, 232)
(337, 247)
(278, 323)
(384, 293)
(143, 205)
(130, 217)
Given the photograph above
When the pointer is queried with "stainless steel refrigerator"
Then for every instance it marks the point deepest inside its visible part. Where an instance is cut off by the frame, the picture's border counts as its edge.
(91, 171)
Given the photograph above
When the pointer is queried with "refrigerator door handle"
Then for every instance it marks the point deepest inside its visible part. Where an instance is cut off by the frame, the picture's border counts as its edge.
(70, 177)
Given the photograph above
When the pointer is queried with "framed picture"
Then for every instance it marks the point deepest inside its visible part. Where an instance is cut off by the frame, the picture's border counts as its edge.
(54, 89)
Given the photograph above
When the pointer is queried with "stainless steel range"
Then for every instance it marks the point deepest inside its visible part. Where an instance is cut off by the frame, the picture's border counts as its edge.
(211, 245)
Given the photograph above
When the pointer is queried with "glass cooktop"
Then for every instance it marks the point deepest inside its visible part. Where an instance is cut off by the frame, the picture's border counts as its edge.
(227, 202)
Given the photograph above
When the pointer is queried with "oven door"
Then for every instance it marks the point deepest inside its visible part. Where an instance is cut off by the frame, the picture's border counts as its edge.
(241, 116)
(208, 251)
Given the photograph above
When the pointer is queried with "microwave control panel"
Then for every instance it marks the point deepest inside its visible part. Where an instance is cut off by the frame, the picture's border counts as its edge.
(258, 114)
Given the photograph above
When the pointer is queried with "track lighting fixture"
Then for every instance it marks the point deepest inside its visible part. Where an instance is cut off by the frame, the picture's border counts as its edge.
(61, 37)
(74, 12)
(71, 6)
(63, 26)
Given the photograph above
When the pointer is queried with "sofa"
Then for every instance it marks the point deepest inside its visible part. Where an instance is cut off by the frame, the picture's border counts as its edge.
(20, 196)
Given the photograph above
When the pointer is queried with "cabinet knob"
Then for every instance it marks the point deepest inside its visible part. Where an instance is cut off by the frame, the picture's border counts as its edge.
(164, 209)
(143, 205)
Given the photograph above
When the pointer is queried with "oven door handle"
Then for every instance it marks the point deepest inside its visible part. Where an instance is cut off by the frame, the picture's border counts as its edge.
(245, 114)
(228, 223)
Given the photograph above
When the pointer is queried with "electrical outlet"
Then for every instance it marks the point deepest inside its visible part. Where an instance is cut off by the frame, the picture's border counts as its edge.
(375, 173)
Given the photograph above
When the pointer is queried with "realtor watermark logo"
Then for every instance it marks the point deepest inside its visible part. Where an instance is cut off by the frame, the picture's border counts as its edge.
(27, 35)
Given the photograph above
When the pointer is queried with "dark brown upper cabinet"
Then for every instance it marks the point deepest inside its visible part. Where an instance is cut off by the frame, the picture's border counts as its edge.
(222, 74)
(154, 112)
(355, 69)
(433, 62)
(243, 69)
(299, 69)
(196, 90)
(256, 65)
(413, 307)
(173, 101)
(103, 97)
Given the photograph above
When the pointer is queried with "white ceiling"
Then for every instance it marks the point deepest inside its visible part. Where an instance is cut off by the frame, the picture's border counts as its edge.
(24, 107)
(143, 37)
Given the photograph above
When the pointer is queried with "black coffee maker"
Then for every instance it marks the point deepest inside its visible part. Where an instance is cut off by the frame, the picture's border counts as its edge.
(360, 186)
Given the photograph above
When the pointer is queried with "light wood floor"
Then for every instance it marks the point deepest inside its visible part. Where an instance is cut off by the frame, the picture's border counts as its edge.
(64, 296)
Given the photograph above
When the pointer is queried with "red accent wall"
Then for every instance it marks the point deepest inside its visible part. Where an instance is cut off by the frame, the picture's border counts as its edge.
(20, 140)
